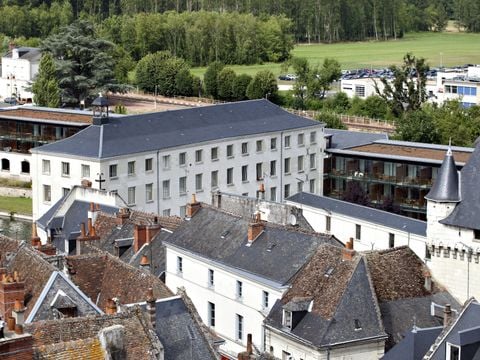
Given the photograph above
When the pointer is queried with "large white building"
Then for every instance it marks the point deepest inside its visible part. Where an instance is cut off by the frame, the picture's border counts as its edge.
(154, 161)
(19, 67)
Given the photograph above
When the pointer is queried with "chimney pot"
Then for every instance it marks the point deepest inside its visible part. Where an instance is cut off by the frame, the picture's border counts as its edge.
(111, 308)
(144, 260)
(447, 315)
(249, 344)
(90, 226)
(18, 329)
(82, 230)
(193, 207)
(92, 206)
(348, 253)
(151, 309)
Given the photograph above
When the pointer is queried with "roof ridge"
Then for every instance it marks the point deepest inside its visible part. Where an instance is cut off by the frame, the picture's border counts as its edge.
(374, 293)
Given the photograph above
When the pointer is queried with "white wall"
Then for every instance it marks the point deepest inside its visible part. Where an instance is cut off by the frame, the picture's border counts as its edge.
(349, 87)
(16, 165)
(24, 72)
(195, 280)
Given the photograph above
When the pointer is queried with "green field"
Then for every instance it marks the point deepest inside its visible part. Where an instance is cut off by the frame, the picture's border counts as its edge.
(447, 48)
(17, 205)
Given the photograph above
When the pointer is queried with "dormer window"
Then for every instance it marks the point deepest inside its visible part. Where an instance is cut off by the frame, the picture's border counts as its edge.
(358, 326)
(287, 319)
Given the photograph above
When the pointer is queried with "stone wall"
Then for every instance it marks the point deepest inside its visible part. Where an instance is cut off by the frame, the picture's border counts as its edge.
(15, 192)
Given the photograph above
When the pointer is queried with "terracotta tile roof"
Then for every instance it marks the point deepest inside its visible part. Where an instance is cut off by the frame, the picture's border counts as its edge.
(397, 274)
(49, 115)
(104, 276)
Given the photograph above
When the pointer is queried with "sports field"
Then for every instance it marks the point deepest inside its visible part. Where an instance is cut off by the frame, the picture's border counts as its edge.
(446, 48)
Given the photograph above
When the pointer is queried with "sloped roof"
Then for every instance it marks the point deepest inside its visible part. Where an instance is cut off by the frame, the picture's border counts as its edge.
(445, 188)
(277, 253)
(168, 129)
(342, 139)
(415, 345)
(374, 216)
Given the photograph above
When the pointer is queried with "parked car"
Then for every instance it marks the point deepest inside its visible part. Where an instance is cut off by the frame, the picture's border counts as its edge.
(10, 100)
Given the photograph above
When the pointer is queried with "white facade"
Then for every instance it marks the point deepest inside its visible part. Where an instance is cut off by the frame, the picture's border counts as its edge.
(14, 165)
(194, 273)
(362, 87)
(373, 236)
(163, 181)
(17, 74)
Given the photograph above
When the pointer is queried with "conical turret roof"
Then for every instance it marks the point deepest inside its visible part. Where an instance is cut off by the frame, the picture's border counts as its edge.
(446, 186)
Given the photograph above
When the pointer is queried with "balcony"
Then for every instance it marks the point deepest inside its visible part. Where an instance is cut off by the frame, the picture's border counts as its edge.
(379, 178)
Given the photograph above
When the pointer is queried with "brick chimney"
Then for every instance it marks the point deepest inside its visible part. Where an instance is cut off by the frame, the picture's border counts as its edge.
(255, 228)
(92, 235)
(428, 280)
(261, 191)
(86, 183)
(145, 263)
(247, 355)
(122, 216)
(151, 309)
(11, 289)
(447, 315)
(192, 207)
(35, 238)
(348, 253)
(18, 312)
(139, 237)
(152, 230)
(111, 308)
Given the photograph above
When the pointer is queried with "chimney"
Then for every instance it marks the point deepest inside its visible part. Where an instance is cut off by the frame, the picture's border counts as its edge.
(90, 226)
(255, 228)
(152, 230)
(348, 253)
(145, 263)
(122, 216)
(447, 315)
(18, 312)
(246, 355)
(139, 237)
(151, 310)
(428, 280)
(18, 329)
(10, 290)
(217, 199)
(111, 308)
(193, 207)
(261, 192)
(86, 183)
(35, 238)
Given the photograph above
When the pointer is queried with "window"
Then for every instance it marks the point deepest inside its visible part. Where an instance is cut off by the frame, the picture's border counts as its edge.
(131, 195)
(313, 161)
(149, 164)
(182, 158)
(131, 168)
(198, 182)
(214, 153)
(312, 186)
(85, 171)
(287, 319)
(287, 166)
(239, 326)
(166, 189)
(214, 179)
(286, 192)
(183, 211)
(313, 137)
(360, 90)
(25, 167)
(259, 145)
(245, 173)
(259, 169)
(273, 194)
(198, 156)
(287, 141)
(299, 186)
(358, 232)
(328, 223)
(391, 240)
(179, 265)
(300, 163)
(239, 292)
(211, 278)
(230, 176)
(149, 192)
(211, 314)
(273, 168)
(453, 352)
(45, 167)
(182, 185)
(166, 161)
(65, 191)
(476, 234)
(229, 150)
(300, 139)
(65, 169)
(273, 143)
(265, 299)
(47, 193)
(166, 212)
(428, 254)
(244, 148)
(112, 171)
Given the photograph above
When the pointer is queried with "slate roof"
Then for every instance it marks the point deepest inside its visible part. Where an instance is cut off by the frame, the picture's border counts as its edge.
(60, 292)
(343, 139)
(445, 188)
(178, 332)
(365, 213)
(415, 345)
(344, 305)
(155, 251)
(467, 212)
(168, 129)
(26, 53)
(277, 253)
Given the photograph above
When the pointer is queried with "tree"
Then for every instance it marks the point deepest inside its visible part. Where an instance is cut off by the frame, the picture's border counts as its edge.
(210, 79)
(46, 91)
(406, 91)
(184, 83)
(331, 120)
(225, 81)
(320, 80)
(417, 126)
(84, 65)
(263, 85)
(148, 70)
(167, 77)
(240, 86)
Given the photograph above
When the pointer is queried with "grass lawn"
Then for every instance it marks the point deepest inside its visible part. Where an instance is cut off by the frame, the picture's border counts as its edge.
(16, 204)
(448, 48)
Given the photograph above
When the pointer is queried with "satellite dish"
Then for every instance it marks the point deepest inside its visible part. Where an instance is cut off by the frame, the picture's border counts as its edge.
(292, 219)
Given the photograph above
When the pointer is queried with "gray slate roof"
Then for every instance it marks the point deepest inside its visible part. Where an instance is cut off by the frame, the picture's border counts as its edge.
(343, 139)
(179, 333)
(445, 187)
(415, 344)
(154, 250)
(168, 129)
(467, 213)
(277, 253)
(26, 53)
(365, 213)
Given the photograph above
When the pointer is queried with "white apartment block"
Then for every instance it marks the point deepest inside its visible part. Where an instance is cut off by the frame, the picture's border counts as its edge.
(156, 161)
